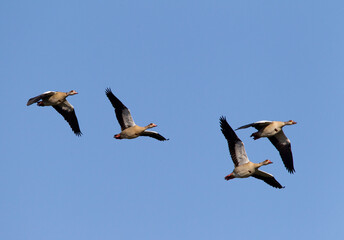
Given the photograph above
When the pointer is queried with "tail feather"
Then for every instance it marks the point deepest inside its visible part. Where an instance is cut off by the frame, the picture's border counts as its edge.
(229, 176)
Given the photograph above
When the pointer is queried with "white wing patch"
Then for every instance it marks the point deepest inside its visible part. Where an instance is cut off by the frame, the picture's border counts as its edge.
(48, 92)
(240, 153)
(264, 174)
(127, 118)
(262, 123)
(66, 106)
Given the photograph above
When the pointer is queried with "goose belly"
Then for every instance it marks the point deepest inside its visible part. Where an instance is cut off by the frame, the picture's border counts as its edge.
(243, 171)
(269, 131)
(52, 101)
(130, 133)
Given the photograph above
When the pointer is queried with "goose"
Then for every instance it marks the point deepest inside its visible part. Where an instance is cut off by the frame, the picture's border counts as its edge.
(129, 129)
(273, 131)
(243, 166)
(58, 101)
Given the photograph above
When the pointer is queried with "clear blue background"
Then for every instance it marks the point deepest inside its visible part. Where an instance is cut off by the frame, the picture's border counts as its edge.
(180, 65)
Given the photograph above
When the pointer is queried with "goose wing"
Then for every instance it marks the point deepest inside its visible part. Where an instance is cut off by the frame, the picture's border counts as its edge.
(39, 97)
(235, 145)
(154, 135)
(268, 178)
(123, 115)
(258, 125)
(68, 113)
(282, 144)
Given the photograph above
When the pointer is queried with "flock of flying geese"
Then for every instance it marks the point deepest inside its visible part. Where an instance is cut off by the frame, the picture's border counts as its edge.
(243, 166)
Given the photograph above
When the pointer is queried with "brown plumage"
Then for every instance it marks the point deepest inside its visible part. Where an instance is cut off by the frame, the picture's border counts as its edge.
(243, 166)
(129, 129)
(273, 131)
(58, 101)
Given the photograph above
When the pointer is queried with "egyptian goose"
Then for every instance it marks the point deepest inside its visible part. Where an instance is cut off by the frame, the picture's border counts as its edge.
(129, 128)
(243, 166)
(273, 131)
(58, 101)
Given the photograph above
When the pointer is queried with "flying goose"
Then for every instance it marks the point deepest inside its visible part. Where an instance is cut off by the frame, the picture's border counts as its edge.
(129, 128)
(243, 166)
(58, 101)
(273, 131)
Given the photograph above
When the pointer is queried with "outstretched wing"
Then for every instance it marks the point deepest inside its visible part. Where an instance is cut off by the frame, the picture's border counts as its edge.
(153, 135)
(258, 125)
(68, 113)
(282, 144)
(39, 97)
(268, 178)
(235, 145)
(123, 115)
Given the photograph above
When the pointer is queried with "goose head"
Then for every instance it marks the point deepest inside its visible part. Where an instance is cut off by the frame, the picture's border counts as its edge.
(266, 162)
(290, 122)
(72, 92)
(151, 125)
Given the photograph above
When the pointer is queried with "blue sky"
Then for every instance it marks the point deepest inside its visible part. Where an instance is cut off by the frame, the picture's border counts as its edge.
(181, 65)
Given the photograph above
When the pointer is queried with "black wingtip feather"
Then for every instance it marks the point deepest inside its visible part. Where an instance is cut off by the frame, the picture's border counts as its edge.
(108, 90)
(279, 187)
(116, 103)
(79, 134)
(223, 123)
(227, 130)
(71, 119)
